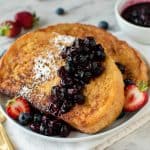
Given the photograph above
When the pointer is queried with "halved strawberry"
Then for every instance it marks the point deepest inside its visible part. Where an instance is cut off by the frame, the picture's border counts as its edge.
(16, 106)
(10, 28)
(136, 97)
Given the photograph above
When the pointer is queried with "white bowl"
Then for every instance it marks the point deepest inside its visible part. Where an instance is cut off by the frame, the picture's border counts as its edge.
(138, 33)
(77, 137)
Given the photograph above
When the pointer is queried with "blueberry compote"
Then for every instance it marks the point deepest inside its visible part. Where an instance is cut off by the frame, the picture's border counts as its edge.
(121, 67)
(138, 14)
(48, 125)
(83, 62)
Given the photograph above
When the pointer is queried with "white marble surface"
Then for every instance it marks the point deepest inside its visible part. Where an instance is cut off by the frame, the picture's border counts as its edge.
(84, 11)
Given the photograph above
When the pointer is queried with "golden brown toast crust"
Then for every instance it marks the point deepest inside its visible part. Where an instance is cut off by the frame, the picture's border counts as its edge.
(17, 68)
(120, 51)
(104, 102)
(101, 107)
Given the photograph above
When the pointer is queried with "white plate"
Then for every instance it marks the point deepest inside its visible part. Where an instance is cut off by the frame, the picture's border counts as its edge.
(77, 136)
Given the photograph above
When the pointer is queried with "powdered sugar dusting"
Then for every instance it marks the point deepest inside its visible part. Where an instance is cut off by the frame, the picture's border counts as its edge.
(46, 66)
(61, 41)
(25, 92)
(41, 70)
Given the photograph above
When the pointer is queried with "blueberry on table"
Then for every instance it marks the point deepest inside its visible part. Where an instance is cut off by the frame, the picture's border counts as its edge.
(24, 118)
(60, 11)
(103, 25)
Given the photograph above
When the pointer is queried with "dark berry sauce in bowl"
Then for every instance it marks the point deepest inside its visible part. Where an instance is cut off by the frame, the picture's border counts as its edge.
(138, 14)
(133, 17)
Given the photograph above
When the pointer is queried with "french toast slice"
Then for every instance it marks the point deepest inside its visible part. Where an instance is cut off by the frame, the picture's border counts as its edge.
(104, 102)
(120, 51)
(104, 95)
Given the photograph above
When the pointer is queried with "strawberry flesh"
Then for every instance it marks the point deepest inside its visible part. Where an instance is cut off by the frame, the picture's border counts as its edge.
(16, 106)
(10, 28)
(135, 99)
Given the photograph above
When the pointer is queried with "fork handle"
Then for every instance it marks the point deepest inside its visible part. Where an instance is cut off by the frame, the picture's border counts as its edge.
(5, 140)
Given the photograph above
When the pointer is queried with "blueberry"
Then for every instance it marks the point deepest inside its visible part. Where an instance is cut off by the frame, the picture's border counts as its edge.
(62, 72)
(50, 131)
(64, 131)
(89, 41)
(86, 49)
(100, 55)
(83, 59)
(63, 54)
(42, 128)
(69, 67)
(72, 91)
(63, 92)
(79, 99)
(121, 67)
(79, 74)
(87, 76)
(66, 82)
(94, 65)
(56, 124)
(77, 43)
(103, 25)
(122, 114)
(134, 13)
(35, 127)
(128, 81)
(60, 11)
(69, 59)
(91, 56)
(37, 118)
(98, 70)
(53, 108)
(75, 59)
(25, 118)
(66, 106)
(45, 132)
(55, 90)
(82, 83)
(77, 86)
(45, 119)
